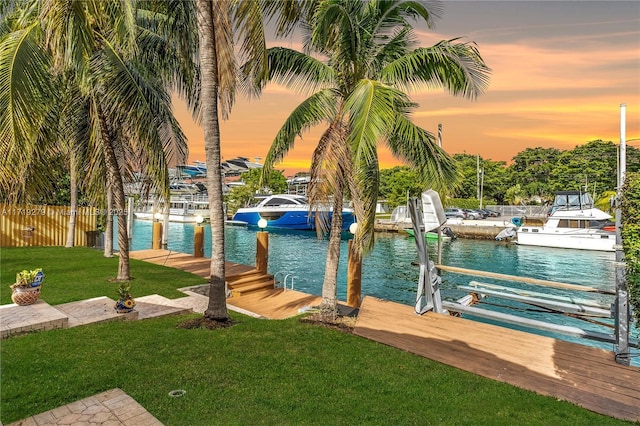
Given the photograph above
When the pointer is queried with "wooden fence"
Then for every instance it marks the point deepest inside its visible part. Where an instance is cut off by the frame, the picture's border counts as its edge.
(35, 225)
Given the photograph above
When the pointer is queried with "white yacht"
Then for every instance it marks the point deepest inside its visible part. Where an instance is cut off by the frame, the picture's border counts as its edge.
(285, 211)
(184, 208)
(573, 223)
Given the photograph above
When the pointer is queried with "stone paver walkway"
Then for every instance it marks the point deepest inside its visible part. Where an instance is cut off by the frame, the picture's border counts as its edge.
(40, 316)
(110, 408)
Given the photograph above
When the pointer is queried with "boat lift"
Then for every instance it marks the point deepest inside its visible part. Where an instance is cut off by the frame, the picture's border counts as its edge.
(427, 214)
(430, 216)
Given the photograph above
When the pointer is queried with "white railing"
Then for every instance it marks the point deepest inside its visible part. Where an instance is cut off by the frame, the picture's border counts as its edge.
(287, 276)
(519, 211)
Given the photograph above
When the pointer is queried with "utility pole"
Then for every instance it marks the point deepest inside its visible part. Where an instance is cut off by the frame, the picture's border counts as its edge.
(478, 177)
(622, 295)
(481, 185)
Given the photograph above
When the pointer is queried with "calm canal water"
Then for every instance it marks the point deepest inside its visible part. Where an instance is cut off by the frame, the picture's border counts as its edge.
(387, 272)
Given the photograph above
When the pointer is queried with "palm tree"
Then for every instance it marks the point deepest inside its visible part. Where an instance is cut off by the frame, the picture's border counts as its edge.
(358, 61)
(217, 90)
(99, 49)
(216, 66)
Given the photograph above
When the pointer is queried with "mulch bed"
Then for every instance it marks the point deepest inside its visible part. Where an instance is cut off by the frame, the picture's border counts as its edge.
(205, 323)
(342, 323)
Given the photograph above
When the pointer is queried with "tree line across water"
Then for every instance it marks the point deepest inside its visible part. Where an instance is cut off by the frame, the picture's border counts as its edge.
(533, 176)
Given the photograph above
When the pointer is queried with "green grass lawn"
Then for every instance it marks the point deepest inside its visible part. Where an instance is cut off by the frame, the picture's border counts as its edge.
(80, 273)
(256, 372)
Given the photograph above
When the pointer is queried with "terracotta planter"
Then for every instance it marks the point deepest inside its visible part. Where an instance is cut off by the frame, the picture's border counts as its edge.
(25, 295)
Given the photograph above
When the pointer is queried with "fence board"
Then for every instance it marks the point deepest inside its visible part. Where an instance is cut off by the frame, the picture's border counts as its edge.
(37, 225)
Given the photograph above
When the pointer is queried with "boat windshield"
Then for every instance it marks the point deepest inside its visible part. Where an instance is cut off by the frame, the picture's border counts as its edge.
(282, 201)
(571, 200)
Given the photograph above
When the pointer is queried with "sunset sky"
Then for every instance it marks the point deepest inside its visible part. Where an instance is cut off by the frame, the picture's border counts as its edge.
(560, 71)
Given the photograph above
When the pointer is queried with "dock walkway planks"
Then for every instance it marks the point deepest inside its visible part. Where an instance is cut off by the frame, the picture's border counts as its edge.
(272, 304)
(196, 265)
(586, 376)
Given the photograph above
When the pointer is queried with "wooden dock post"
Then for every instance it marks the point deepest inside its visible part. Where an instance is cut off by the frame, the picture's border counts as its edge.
(156, 242)
(198, 241)
(262, 247)
(354, 277)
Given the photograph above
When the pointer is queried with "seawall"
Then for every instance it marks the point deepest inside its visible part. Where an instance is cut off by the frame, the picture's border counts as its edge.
(485, 229)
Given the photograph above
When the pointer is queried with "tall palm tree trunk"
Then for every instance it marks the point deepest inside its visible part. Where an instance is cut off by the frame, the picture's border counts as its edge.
(108, 231)
(217, 308)
(71, 227)
(329, 302)
(114, 179)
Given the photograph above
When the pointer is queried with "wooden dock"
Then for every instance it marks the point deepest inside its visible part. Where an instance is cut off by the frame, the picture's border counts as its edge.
(200, 266)
(586, 376)
(583, 375)
(272, 303)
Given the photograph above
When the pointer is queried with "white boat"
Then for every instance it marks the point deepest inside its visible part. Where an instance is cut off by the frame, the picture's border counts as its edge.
(183, 208)
(573, 223)
(285, 211)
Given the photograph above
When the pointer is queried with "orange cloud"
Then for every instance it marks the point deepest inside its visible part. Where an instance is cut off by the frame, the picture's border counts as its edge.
(552, 85)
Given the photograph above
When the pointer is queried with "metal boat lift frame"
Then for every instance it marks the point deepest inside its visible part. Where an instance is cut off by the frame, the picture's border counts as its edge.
(425, 216)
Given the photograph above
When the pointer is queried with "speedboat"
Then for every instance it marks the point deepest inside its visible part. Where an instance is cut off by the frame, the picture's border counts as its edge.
(573, 223)
(286, 211)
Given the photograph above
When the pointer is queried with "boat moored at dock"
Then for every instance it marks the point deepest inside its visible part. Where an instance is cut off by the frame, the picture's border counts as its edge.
(183, 208)
(573, 223)
(285, 211)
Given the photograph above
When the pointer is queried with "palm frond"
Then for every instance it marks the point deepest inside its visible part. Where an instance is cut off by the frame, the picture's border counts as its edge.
(418, 148)
(25, 97)
(393, 12)
(225, 56)
(390, 49)
(337, 31)
(289, 13)
(330, 170)
(456, 67)
(300, 72)
(249, 21)
(371, 110)
(318, 108)
(169, 38)
(364, 188)
(68, 35)
(142, 106)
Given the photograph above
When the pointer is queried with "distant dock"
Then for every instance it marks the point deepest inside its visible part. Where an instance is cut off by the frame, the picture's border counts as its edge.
(485, 229)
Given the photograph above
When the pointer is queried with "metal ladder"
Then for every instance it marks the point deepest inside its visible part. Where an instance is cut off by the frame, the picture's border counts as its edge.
(287, 275)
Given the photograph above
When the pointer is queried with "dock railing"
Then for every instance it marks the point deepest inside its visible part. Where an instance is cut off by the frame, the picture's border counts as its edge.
(519, 211)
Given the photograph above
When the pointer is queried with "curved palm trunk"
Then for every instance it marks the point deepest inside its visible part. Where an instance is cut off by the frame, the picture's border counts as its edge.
(108, 232)
(217, 308)
(330, 284)
(115, 186)
(71, 227)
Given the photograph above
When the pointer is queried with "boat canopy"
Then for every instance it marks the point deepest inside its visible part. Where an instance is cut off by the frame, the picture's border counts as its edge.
(283, 200)
(571, 200)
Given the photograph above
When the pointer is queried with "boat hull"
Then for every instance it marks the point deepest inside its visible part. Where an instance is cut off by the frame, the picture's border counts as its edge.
(299, 219)
(179, 218)
(586, 239)
(429, 235)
